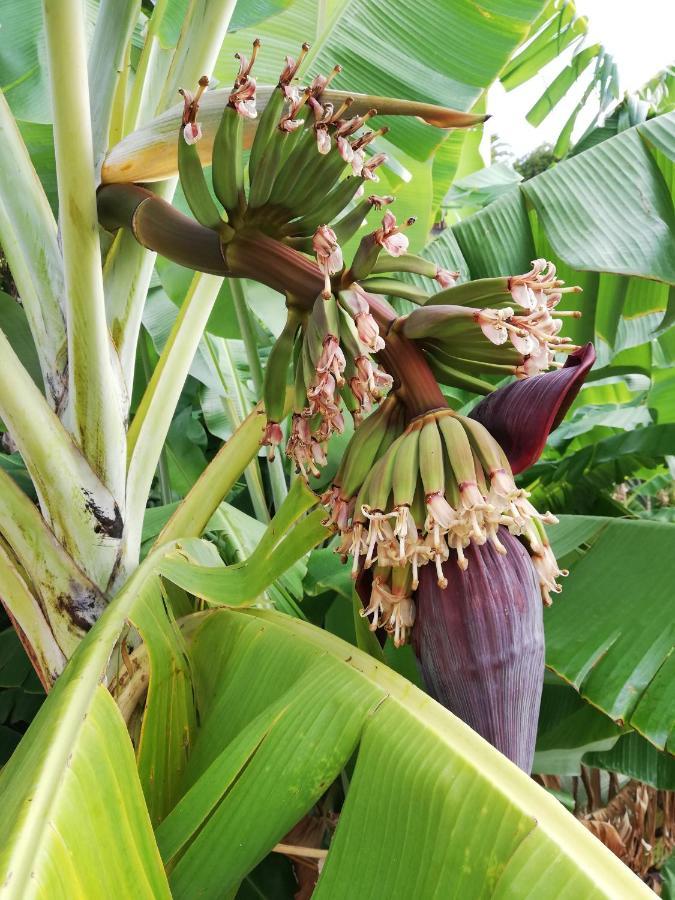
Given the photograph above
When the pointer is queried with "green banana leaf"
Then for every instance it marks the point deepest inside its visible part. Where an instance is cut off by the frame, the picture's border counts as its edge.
(560, 34)
(633, 755)
(581, 479)
(570, 730)
(386, 49)
(460, 819)
(611, 632)
(75, 822)
(79, 804)
(584, 215)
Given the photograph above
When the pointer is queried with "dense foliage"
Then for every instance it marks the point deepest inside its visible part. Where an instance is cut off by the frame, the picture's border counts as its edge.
(228, 713)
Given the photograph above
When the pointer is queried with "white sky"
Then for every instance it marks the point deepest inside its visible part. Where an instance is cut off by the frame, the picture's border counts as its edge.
(640, 34)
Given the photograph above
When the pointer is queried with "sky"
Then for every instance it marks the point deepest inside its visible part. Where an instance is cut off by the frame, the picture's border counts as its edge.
(640, 34)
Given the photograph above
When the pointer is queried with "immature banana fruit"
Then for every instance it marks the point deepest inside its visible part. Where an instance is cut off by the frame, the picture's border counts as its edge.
(439, 486)
(228, 166)
(276, 378)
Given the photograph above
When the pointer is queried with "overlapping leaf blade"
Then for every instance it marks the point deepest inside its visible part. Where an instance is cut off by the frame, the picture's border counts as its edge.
(388, 50)
(464, 821)
(624, 668)
(585, 214)
(74, 818)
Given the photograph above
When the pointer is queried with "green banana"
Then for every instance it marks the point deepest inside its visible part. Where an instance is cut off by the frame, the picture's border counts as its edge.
(395, 288)
(401, 580)
(458, 448)
(265, 129)
(365, 257)
(406, 469)
(300, 390)
(194, 185)
(331, 314)
(480, 294)
(407, 262)
(325, 316)
(417, 507)
(349, 336)
(432, 468)
(436, 321)
(327, 208)
(454, 378)
(475, 366)
(346, 227)
(481, 481)
(276, 370)
(268, 168)
(309, 356)
(380, 487)
(480, 351)
(228, 172)
(316, 179)
(351, 403)
(485, 446)
(295, 158)
(316, 332)
(363, 449)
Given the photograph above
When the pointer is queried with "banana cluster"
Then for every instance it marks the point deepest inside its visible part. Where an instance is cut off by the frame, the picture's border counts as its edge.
(492, 327)
(308, 161)
(404, 498)
(329, 350)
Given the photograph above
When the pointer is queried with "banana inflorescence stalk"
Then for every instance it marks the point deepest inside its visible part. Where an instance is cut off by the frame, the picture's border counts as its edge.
(418, 485)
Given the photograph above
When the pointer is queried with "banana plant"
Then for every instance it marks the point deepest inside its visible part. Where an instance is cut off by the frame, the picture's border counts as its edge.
(188, 730)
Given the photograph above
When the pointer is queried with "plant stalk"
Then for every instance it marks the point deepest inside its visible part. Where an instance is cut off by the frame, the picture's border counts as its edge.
(80, 509)
(237, 408)
(94, 389)
(29, 621)
(151, 423)
(114, 26)
(69, 600)
(28, 235)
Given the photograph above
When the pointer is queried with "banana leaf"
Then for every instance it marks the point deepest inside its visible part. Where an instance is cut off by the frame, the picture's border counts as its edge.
(611, 633)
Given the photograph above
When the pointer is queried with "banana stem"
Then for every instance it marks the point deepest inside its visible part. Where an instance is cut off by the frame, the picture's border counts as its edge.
(80, 509)
(156, 225)
(28, 235)
(142, 82)
(114, 27)
(68, 599)
(163, 475)
(29, 621)
(203, 32)
(150, 425)
(94, 389)
(414, 381)
(246, 328)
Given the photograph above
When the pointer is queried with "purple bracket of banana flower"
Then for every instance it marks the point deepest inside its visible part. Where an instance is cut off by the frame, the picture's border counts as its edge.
(480, 644)
(521, 415)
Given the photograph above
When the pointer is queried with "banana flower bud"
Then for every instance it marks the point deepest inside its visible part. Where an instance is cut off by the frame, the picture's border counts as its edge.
(479, 640)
